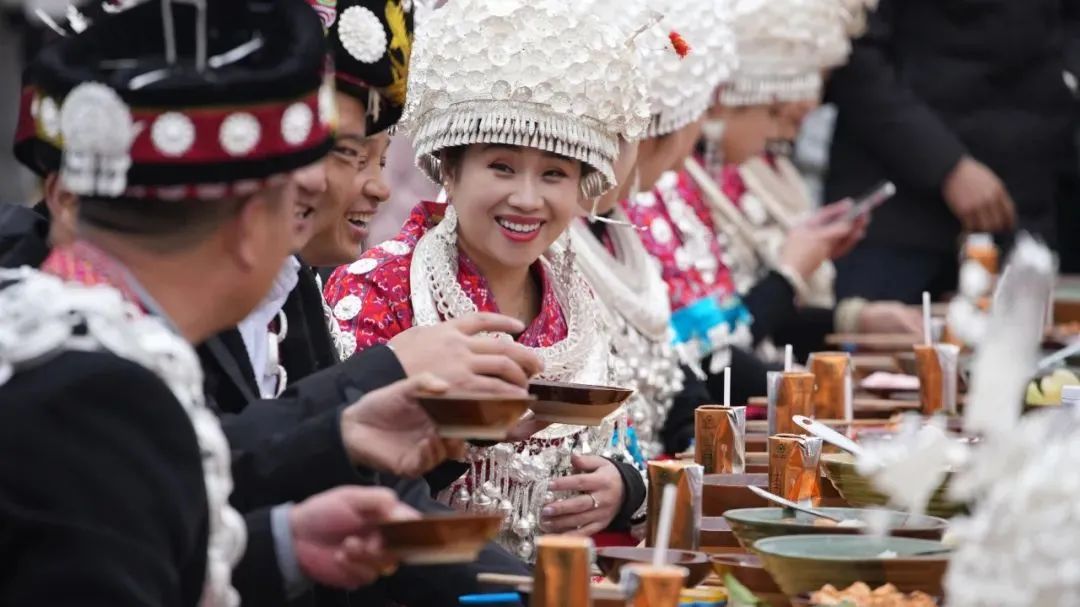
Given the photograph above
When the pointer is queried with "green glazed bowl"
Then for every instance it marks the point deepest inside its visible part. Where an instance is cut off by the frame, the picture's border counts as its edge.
(805, 563)
(753, 524)
(859, 491)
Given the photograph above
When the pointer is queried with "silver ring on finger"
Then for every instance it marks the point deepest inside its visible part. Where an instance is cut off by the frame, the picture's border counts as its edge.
(595, 503)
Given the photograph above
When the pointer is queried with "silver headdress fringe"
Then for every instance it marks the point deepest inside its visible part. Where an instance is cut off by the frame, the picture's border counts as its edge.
(749, 89)
(671, 120)
(518, 123)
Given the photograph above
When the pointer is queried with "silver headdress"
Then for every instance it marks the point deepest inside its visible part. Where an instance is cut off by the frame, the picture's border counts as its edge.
(681, 88)
(681, 85)
(540, 74)
(783, 47)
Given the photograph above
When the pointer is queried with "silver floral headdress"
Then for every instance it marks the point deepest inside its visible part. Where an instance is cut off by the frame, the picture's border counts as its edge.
(539, 74)
(681, 81)
(681, 88)
(783, 46)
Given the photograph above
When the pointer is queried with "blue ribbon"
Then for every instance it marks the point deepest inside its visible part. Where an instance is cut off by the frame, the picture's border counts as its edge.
(632, 446)
(695, 321)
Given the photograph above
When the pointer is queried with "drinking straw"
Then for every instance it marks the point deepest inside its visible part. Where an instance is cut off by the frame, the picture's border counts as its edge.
(727, 386)
(928, 337)
(789, 354)
(663, 534)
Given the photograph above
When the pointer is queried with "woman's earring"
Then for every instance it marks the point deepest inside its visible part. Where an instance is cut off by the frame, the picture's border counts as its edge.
(592, 185)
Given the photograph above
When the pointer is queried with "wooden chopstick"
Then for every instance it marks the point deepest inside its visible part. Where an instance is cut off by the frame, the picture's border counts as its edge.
(873, 340)
(524, 583)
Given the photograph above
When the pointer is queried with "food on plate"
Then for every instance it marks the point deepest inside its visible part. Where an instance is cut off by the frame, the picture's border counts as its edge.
(860, 595)
(1047, 389)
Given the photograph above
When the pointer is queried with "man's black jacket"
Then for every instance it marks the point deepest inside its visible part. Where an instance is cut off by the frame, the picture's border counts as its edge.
(102, 497)
(289, 448)
(24, 235)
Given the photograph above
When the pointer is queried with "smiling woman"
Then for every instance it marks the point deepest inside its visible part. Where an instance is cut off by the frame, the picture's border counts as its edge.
(518, 151)
(512, 203)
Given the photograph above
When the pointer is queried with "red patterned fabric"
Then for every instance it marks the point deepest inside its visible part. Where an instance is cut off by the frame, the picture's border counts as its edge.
(685, 285)
(86, 264)
(384, 289)
(606, 539)
(732, 184)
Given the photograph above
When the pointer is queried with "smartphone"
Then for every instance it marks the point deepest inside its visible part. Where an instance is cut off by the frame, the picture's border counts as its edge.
(871, 200)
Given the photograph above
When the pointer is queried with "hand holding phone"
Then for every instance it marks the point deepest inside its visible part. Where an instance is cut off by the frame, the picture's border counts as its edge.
(871, 200)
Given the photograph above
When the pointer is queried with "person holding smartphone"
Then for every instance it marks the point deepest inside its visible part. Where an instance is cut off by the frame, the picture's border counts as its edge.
(776, 250)
(970, 107)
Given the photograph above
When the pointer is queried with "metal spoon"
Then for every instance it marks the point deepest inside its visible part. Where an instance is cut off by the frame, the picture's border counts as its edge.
(827, 434)
(1059, 356)
(927, 552)
(772, 497)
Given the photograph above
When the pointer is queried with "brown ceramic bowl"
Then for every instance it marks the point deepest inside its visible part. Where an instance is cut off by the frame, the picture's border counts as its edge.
(612, 559)
(750, 572)
(757, 443)
(474, 416)
(578, 404)
(906, 362)
(722, 492)
(717, 533)
(442, 538)
(882, 408)
(830, 495)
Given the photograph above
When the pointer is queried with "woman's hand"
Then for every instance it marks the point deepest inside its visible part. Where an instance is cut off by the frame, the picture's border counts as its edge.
(836, 213)
(601, 488)
(890, 317)
(460, 352)
(825, 234)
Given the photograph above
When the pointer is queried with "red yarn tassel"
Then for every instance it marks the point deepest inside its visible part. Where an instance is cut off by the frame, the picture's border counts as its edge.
(682, 49)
